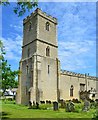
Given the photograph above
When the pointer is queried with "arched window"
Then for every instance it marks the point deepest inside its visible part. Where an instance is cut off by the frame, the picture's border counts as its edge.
(47, 26)
(30, 26)
(71, 91)
(48, 51)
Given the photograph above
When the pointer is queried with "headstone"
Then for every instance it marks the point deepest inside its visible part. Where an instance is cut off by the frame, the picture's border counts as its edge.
(46, 101)
(55, 106)
(92, 104)
(42, 102)
(63, 104)
(37, 105)
(30, 104)
(49, 102)
(86, 106)
(34, 103)
(70, 107)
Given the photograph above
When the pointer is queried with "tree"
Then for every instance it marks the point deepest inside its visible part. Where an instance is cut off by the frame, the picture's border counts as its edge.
(21, 6)
(7, 76)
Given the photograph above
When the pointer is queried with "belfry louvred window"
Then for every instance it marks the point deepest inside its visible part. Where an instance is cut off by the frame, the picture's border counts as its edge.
(47, 26)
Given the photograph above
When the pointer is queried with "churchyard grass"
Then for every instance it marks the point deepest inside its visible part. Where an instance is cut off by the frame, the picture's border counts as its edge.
(10, 110)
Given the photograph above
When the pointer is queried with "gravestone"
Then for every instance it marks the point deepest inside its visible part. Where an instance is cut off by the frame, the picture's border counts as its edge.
(37, 105)
(92, 104)
(34, 105)
(55, 106)
(96, 103)
(63, 104)
(86, 106)
(70, 107)
(30, 104)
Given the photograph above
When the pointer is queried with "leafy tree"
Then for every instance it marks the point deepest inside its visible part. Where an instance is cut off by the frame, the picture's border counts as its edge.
(7, 76)
(21, 6)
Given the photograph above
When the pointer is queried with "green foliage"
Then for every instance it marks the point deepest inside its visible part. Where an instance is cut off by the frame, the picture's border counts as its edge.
(21, 6)
(7, 79)
(96, 115)
(46, 106)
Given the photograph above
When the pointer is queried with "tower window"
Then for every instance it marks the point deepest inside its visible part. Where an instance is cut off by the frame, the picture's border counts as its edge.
(47, 26)
(71, 91)
(48, 69)
(30, 26)
(28, 52)
(48, 51)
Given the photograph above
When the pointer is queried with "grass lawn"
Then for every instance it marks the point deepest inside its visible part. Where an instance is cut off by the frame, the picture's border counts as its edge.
(18, 111)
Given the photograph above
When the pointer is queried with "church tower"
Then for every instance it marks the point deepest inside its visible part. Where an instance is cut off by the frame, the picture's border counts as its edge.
(38, 80)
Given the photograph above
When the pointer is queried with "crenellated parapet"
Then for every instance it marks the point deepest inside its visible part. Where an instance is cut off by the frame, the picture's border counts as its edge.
(43, 14)
(74, 74)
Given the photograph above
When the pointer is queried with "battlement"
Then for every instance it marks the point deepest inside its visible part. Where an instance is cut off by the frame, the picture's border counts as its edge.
(41, 13)
(65, 72)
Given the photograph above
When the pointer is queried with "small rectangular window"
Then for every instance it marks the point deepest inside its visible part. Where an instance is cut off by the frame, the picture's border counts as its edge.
(48, 69)
(48, 51)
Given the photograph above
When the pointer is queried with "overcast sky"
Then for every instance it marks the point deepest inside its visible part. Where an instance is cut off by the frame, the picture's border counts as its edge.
(76, 34)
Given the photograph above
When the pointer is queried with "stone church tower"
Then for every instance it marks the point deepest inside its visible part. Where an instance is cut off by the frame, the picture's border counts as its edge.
(38, 80)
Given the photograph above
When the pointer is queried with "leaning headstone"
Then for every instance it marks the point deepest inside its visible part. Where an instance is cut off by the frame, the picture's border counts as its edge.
(70, 107)
(86, 106)
(30, 104)
(55, 106)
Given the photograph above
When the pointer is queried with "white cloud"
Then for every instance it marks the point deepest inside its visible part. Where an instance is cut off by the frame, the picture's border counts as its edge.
(13, 47)
(18, 27)
(75, 55)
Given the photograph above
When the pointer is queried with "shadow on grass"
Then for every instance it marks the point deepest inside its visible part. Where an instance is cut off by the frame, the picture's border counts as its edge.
(3, 115)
